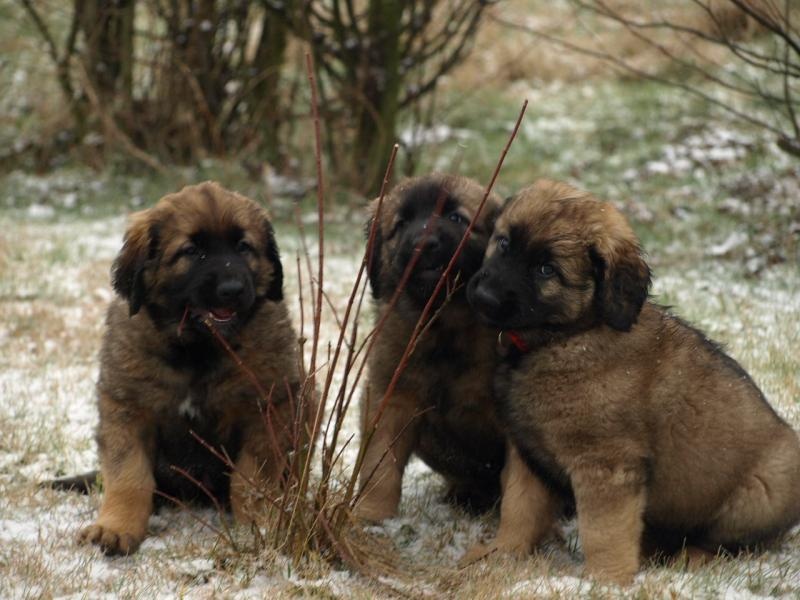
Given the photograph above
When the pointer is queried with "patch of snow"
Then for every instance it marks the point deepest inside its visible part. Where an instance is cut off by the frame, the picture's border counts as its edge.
(41, 211)
(414, 137)
(732, 242)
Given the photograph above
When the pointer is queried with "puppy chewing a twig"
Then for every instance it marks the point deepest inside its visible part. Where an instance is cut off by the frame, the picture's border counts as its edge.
(199, 363)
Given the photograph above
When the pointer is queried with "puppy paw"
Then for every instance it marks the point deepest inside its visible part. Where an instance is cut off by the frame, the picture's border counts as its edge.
(621, 576)
(496, 547)
(692, 558)
(112, 541)
(374, 512)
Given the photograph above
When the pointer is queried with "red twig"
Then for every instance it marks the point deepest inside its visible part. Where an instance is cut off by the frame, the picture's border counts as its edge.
(265, 397)
(182, 324)
(225, 535)
(212, 497)
(423, 317)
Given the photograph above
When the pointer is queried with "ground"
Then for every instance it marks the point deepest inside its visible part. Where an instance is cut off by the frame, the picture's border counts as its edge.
(716, 204)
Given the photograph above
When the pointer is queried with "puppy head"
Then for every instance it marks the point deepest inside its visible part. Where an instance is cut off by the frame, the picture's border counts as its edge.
(428, 214)
(559, 257)
(204, 250)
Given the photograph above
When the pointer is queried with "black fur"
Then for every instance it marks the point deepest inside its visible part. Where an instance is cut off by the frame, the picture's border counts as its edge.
(275, 291)
(127, 272)
(82, 484)
(374, 259)
(176, 446)
(622, 289)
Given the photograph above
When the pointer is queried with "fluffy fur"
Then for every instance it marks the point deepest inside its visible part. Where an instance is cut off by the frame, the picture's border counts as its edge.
(203, 256)
(442, 407)
(614, 405)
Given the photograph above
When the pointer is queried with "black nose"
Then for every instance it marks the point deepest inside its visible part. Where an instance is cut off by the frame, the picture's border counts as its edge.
(229, 289)
(485, 300)
(428, 243)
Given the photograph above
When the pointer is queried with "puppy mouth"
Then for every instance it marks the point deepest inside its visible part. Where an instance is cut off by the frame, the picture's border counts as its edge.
(430, 272)
(209, 317)
(220, 315)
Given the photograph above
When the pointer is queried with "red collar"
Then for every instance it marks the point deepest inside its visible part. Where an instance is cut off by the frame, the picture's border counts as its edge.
(517, 341)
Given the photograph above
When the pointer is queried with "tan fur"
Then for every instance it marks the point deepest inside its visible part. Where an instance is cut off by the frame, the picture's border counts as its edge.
(528, 508)
(140, 388)
(654, 430)
(438, 398)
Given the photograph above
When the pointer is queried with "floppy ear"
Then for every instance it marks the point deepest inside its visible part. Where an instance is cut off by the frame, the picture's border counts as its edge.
(127, 272)
(374, 251)
(490, 216)
(275, 290)
(622, 282)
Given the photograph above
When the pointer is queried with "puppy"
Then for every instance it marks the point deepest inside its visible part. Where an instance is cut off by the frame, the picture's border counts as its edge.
(442, 407)
(200, 261)
(615, 405)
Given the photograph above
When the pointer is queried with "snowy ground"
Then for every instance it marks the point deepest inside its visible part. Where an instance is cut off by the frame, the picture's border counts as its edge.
(53, 292)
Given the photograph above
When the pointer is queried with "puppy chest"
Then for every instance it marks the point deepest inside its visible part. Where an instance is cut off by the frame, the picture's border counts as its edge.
(190, 409)
(201, 407)
(193, 419)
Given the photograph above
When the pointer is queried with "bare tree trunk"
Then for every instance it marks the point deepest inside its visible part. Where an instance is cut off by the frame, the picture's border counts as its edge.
(265, 93)
(107, 27)
(380, 86)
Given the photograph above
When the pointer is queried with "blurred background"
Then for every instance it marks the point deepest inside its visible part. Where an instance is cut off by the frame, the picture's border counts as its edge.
(119, 101)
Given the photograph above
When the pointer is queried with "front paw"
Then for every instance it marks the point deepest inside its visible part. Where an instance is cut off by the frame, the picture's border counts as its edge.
(373, 511)
(617, 574)
(495, 547)
(112, 541)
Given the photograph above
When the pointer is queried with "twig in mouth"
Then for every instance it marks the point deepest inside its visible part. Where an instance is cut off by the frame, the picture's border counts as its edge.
(184, 318)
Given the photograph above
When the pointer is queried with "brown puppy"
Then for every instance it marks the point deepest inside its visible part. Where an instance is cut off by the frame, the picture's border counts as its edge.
(201, 258)
(614, 404)
(442, 407)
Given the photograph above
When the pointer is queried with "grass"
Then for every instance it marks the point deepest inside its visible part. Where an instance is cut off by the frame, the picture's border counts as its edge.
(651, 150)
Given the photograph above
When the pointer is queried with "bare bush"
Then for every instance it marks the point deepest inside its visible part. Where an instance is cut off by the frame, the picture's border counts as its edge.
(741, 56)
(312, 518)
(376, 59)
(182, 80)
(175, 80)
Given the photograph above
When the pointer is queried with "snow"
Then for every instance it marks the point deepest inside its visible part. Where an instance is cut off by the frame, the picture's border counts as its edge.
(436, 134)
(46, 392)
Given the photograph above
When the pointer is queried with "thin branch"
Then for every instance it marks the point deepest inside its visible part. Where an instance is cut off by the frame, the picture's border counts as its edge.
(768, 24)
(787, 88)
(625, 66)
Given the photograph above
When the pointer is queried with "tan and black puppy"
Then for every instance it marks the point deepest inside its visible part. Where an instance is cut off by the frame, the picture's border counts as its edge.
(442, 407)
(613, 404)
(199, 259)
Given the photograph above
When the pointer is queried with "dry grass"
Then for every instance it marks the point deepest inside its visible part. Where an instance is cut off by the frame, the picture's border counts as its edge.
(504, 57)
(51, 313)
(54, 289)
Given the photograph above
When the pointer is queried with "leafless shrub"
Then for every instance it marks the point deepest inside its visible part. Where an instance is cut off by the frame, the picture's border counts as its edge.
(182, 80)
(312, 518)
(175, 80)
(376, 59)
(733, 54)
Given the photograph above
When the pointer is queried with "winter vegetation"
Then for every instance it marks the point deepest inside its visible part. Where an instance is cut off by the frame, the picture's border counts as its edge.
(715, 198)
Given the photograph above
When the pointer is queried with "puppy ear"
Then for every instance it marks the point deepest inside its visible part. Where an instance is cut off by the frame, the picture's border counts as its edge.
(275, 290)
(127, 271)
(492, 213)
(373, 256)
(622, 280)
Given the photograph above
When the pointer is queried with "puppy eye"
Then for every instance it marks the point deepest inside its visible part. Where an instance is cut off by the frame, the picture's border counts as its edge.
(189, 250)
(457, 218)
(545, 270)
(244, 247)
(503, 244)
(398, 226)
